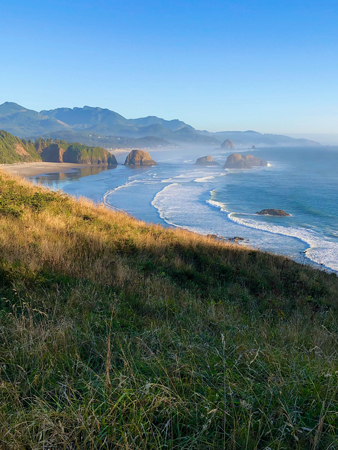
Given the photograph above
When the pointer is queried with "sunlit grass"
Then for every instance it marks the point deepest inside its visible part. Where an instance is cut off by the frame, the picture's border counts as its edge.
(118, 334)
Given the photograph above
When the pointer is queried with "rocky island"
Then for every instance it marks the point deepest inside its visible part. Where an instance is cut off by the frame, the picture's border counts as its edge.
(237, 161)
(227, 144)
(137, 158)
(206, 161)
(273, 212)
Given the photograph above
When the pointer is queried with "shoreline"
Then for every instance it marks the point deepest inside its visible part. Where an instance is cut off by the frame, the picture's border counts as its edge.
(31, 169)
(36, 168)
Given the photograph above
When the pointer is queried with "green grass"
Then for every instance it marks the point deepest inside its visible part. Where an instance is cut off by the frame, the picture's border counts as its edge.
(118, 334)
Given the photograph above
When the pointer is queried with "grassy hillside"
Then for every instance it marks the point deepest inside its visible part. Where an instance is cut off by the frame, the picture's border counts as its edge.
(116, 334)
(13, 149)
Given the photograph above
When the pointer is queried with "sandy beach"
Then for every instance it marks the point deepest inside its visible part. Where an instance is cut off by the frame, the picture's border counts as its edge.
(31, 169)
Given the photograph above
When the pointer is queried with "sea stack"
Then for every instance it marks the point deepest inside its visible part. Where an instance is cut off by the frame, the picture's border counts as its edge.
(227, 144)
(237, 161)
(206, 161)
(253, 161)
(138, 158)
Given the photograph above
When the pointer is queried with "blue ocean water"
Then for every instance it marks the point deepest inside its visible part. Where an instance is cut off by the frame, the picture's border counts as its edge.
(211, 200)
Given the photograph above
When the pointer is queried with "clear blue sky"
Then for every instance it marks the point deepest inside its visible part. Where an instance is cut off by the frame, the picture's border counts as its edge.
(269, 65)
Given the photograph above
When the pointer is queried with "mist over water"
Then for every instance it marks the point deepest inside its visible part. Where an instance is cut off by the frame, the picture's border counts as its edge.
(211, 200)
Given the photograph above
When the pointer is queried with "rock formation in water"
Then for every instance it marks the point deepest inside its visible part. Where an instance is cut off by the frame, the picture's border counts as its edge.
(227, 144)
(254, 161)
(139, 158)
(237, 161)
(273, 212)
(206, 161)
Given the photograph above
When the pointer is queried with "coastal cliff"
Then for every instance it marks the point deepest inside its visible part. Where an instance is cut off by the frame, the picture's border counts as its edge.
(81, 154)
(13, 150)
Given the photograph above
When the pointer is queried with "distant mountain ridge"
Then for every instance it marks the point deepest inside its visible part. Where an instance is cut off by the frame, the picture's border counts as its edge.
(101, 123)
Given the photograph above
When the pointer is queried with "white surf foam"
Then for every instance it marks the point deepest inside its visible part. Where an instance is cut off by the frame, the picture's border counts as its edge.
(204, 179)
(185, 206)
(320, 251)
(209, 178)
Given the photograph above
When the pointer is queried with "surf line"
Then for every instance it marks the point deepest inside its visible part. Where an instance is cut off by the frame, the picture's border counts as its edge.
(314, 252)
(308, 236)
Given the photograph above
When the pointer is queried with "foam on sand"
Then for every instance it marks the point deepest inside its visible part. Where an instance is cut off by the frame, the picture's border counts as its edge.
(321, 250)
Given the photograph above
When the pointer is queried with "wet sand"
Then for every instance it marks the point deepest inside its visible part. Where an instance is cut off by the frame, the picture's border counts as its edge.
(31, 169)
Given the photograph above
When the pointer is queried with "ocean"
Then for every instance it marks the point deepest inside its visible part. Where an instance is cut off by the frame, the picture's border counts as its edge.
(213, 200)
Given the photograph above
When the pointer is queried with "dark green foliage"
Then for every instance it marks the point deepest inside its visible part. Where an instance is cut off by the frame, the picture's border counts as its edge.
(78, 153)
(13, 149)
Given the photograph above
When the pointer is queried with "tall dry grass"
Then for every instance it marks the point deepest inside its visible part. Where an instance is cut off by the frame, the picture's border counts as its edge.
(119, 334)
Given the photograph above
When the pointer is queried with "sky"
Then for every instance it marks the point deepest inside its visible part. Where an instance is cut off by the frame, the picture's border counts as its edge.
(269, 66)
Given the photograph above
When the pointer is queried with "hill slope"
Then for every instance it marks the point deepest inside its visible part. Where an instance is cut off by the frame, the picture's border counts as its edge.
(113, 142)
(117, 334)
(13, 149)
(88, 120)
(25, 122)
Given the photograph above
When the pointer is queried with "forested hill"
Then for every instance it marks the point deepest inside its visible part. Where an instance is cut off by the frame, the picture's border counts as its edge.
(13, 150)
